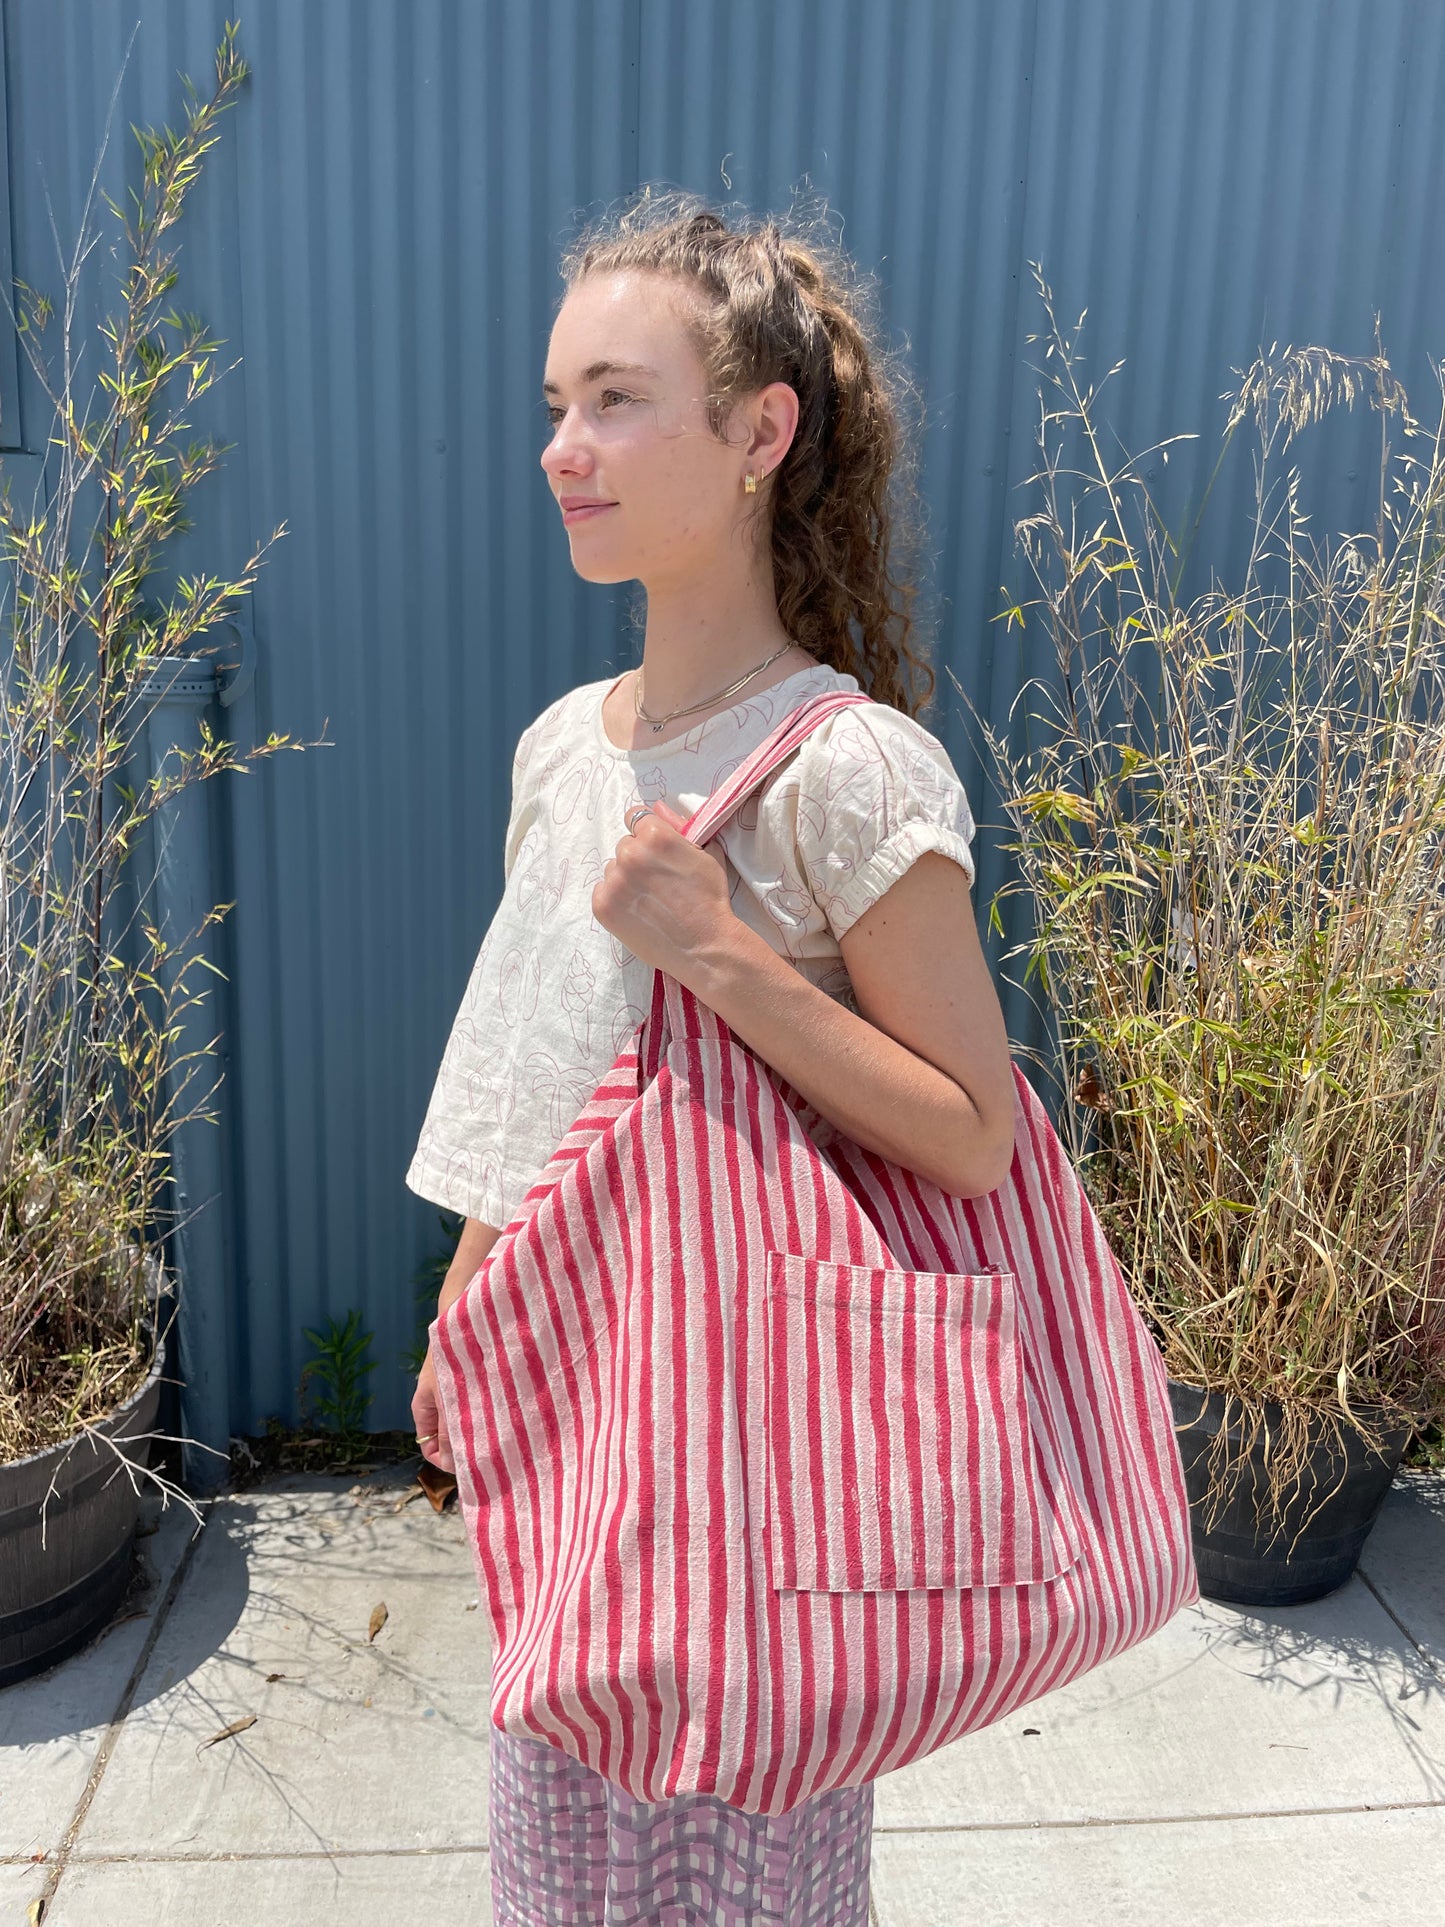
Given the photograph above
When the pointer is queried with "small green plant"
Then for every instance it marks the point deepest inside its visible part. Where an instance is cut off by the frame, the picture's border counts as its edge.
(341, 1367)
(429, 1278)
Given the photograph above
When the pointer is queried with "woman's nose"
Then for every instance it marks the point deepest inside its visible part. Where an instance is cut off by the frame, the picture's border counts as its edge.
(565, 450)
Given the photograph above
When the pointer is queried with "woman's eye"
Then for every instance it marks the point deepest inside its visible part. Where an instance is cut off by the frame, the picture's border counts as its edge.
(555, 414)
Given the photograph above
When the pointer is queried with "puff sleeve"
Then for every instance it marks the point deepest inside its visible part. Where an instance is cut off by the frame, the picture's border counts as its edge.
(875, 789)
(469, 1093)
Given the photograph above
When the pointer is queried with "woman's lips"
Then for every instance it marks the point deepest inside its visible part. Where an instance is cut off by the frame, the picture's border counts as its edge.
(569, 516)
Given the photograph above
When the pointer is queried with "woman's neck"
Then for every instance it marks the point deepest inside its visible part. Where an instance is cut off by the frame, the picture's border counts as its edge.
(628, 730)
(702, 637)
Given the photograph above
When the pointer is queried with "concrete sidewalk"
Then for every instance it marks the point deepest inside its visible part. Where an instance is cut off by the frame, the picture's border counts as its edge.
(1285, 1768)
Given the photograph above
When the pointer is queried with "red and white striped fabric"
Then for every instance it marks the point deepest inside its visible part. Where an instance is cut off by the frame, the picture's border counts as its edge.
(782, 1466)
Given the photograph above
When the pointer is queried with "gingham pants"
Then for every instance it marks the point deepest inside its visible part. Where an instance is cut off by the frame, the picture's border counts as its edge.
(568, 1846)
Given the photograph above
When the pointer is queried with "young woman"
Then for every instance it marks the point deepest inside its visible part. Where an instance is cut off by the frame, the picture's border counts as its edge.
(723, 432)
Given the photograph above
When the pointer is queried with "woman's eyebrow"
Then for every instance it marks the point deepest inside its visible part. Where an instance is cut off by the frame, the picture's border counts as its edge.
(600, 368)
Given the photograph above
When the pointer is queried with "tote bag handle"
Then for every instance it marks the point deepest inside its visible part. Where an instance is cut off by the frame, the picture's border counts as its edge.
(706, 821)
(789, 735)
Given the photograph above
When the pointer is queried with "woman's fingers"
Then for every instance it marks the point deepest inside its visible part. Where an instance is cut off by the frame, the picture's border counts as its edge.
(427, 1419)
(662, 895)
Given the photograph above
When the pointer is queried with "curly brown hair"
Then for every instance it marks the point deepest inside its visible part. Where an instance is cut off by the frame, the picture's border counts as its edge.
(781, 301)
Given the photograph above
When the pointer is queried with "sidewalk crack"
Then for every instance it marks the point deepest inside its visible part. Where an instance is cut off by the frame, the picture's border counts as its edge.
(118, 1719)
(1170, 1819)
(1425, 1654)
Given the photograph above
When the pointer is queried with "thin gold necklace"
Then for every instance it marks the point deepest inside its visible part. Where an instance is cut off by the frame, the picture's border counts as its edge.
(657, 724)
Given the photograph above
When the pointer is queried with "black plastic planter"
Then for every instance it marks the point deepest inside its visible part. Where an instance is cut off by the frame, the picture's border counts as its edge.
(56, 1596)
(1235, 1563)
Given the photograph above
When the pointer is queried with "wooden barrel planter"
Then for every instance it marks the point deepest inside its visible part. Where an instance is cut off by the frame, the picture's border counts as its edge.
(1235, 1563)
(68, 1518)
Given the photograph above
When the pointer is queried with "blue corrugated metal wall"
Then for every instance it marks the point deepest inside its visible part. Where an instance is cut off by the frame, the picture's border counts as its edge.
(376, 237)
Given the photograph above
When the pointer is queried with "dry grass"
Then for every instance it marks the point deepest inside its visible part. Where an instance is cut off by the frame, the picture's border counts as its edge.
(1229, 819)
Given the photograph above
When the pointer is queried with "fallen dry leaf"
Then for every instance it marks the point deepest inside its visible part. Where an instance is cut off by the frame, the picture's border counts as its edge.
(1089, 1091)
(407, 1497)
(34, 1911)
(236, 1726)
(439, 1486)
(272, 1677)
(379, 1617)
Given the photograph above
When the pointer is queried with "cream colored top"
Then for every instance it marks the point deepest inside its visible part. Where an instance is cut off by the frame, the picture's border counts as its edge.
(554, 998)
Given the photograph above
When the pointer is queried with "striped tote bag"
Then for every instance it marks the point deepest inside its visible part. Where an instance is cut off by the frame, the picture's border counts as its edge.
(781, 1466)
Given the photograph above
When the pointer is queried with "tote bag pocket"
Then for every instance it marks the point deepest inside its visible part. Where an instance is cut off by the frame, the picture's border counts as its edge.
(899, 1452)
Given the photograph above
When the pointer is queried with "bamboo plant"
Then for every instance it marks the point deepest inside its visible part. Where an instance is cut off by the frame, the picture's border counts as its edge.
(1228, 813)
(88, 1033)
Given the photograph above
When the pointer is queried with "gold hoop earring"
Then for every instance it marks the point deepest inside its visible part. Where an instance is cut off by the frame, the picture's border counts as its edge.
(750, 483)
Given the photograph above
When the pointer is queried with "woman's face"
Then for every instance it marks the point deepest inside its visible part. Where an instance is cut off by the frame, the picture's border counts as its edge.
(625, 394)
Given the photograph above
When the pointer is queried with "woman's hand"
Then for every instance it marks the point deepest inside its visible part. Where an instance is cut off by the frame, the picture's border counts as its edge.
(426, 1412)
(663, 896)
(476, 1240)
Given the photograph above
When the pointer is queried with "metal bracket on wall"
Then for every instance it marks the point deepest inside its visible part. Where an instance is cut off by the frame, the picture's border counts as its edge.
(179, 677)
(236, 667)
(224, 671)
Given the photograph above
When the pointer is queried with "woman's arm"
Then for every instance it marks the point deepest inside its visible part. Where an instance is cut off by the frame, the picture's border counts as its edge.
(923, 1076)
(475, 1242)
